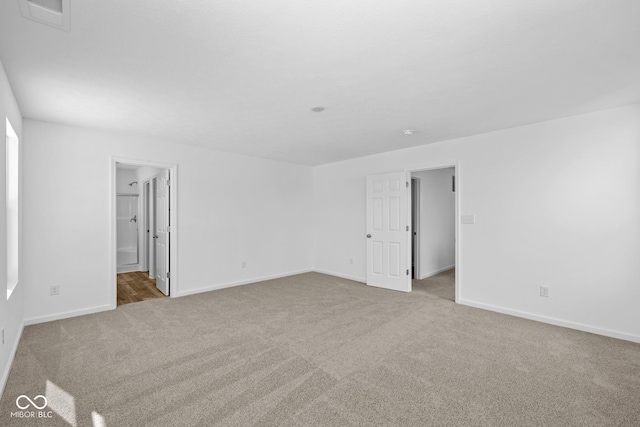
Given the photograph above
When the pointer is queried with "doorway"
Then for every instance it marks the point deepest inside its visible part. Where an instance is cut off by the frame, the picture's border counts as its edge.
(396, 207)
(433, 219)
(144, 225)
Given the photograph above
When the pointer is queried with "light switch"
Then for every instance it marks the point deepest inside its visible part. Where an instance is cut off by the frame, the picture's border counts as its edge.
(468, 219)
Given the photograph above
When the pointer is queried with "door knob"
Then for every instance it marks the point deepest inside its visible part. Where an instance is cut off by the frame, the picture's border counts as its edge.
(368, 236)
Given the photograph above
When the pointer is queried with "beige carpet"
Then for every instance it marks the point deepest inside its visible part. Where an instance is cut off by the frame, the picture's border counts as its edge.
(315, 350)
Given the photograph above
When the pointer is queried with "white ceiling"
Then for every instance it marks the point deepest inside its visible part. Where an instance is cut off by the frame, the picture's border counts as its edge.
(242, 76)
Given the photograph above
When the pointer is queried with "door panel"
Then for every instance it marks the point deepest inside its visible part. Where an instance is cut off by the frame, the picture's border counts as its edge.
(394, 259)
(394, 214)
(388, 237)
(377, 257)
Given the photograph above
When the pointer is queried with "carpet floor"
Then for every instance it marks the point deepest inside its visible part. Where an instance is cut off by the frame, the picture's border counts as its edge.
(316, 350)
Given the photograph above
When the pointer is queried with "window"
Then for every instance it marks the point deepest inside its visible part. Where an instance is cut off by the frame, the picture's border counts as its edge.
(12, 208)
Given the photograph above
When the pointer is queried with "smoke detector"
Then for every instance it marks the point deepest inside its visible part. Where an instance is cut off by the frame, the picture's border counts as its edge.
(54, 13)
(407, 132)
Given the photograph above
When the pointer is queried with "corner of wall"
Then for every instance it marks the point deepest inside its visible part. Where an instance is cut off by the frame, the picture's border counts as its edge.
(11, 309)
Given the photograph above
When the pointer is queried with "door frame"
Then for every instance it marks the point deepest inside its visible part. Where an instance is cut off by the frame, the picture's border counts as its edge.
(144, 222)
(415, 225)
(173, 220)
(458, 259)
(151, 223)
(148, 211)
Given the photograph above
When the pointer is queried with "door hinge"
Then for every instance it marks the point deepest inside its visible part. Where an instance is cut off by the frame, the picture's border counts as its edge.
(169, 274)
(407, 228)
(407, 184)
(168, 183)
(407, 272)
(168, 229)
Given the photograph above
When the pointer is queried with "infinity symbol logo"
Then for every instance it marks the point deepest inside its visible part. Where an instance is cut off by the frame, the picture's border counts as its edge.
(31, 402)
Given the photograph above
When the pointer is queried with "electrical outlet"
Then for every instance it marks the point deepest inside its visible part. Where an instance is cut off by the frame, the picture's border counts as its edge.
(544, 291)
(244, 264)
(350, 260)
(54, 290)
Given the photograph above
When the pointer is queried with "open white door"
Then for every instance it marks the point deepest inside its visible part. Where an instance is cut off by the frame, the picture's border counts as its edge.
(162, 228)
(388, 234)
(151, 228)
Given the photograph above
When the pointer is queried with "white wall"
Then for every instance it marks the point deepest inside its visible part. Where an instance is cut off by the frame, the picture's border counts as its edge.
(231, 208)
(437, 221)
(556, 203)
(11, 310)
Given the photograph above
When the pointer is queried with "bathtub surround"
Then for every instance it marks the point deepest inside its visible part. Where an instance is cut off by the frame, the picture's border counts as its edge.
(128, 219)
(127, 232)
(124, 179)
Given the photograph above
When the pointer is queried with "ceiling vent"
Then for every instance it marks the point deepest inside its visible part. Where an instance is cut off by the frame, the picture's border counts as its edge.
(51, 12)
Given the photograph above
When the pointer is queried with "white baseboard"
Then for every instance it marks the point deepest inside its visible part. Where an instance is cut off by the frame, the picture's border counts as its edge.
(12, 355)
(433, 273)
(262, 279)
(67, 314)
(128, 268)
(554, 321)
(238, 283)
(344, 276)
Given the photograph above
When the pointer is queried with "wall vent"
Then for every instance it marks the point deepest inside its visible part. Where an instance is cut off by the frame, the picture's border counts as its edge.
(51, 12)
